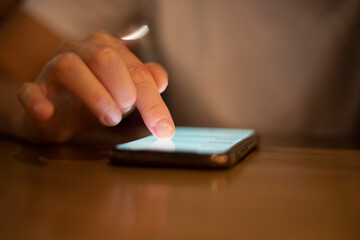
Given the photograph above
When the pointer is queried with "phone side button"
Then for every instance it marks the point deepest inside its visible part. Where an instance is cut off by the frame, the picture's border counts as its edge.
(220, 159)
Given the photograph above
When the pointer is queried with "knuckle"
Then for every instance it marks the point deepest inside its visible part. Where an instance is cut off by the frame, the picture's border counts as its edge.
(140, 74)
(105, 55)
(100, 35)
(153, 108)
(65, 61)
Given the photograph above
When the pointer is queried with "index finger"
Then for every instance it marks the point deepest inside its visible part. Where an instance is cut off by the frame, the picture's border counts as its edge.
(151, 106)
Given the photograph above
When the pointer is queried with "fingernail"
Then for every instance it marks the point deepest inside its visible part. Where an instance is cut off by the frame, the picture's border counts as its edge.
(112, 117)
(164, 129)
(126, 110)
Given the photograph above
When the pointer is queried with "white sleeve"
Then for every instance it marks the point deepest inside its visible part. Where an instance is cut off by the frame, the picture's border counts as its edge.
(76, 19)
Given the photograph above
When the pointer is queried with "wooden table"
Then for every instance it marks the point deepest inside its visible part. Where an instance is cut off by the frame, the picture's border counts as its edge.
(277, 192)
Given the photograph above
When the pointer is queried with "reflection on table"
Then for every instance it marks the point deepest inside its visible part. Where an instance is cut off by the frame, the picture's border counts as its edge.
(71, 191)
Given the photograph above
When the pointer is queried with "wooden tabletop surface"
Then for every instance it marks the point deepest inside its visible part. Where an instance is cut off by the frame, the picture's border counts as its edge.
(278, 191)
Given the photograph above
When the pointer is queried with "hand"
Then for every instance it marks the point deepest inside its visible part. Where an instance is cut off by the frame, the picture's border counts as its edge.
(98, 75)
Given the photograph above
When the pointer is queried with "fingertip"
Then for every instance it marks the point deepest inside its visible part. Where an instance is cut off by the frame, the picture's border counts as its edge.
(42, 111)
(164, 129)
(112, 117)
(35, 102)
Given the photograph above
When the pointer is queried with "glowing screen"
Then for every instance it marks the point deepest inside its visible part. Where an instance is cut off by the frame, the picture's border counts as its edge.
(192, 139)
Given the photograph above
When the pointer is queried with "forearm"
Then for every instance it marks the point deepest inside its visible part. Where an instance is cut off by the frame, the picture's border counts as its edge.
(25, 47)
(11, 111)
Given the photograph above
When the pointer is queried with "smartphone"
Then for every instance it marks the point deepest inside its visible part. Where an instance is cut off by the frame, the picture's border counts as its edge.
(192, 147)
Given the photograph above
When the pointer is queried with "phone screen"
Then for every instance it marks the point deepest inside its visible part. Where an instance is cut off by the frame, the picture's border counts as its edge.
(192, 140)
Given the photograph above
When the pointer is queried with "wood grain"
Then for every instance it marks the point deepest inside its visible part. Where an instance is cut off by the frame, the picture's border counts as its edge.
(71, 191)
